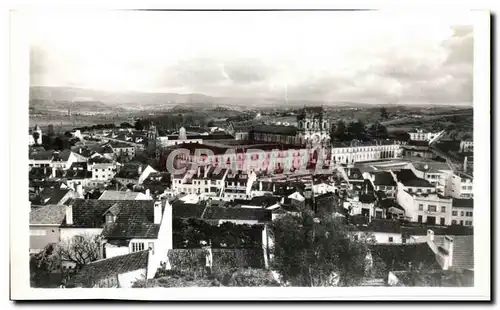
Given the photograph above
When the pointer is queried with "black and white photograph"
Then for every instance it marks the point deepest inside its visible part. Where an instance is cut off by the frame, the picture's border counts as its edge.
(267, 150)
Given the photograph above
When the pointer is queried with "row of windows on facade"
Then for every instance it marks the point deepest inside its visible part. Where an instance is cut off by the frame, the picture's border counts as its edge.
(431, 208)
(467, 213)
(419, 190)
(311, 125)
(363, 149)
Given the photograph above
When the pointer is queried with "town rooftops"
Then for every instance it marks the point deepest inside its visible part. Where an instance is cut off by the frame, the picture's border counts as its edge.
(408, 178)
(431, 166)
(48, 215)
(91, 273)
(44, 155)
(379, 225)
(463, 203)
(62, 155)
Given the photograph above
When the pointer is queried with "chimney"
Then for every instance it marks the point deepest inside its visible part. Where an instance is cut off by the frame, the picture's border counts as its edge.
(157, 212)
(139, 169)
(69, 215)
(465, 164)
(198, 171)
(260, 185)
(206, 171)
(448, 246)
(79, 190)
(148, 192)
(430, 235)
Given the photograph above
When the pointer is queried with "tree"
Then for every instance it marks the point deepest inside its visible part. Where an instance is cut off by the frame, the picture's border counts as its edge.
(126, 125)
(80, 250)
(357, 130)
(50, 130)
(41, 265)
(36, 137)
(383, 113)
(312, 251)
(339, 132)
(378, 131)
(211, 123)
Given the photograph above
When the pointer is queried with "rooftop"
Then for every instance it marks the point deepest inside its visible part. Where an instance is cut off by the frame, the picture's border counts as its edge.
(52, 195)
(463, 203)
(110, 267)
(47, 215)
(383, 178)
(118, 195)
(463, 250)
(408, 178)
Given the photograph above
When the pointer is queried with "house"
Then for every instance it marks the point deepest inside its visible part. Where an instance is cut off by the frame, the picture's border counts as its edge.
(462, 212)
(421, 135)
(125, 226)
(133, 173)
(122, 149)
(382, 181)
(390, 209)
(431, 208)
(383, 231)
(201, 180)
(452, 252)
(45, 225)
(328, 203)
(238, 185)
(65, 159)
(103, 172)
(460, 185)
(363, 205)
(466, 146)
(408, 181)
(119, 272)
(437, 173)
(323, 188)
(121, 195)
(157, 183)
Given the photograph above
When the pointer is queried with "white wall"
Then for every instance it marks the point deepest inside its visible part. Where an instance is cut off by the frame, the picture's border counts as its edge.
(112, 250)
(126, 280)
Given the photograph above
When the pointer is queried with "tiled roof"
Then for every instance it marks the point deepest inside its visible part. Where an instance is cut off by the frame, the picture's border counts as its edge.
(118, 195)
(187, 210)
(432, 166)
(282, 130)
(88, 213)
(134, 218)
(390, 203)
(62, 156)
(408, 178)
(463, 250)
(110, 267)
(463, 203)
(380, 225)
(398, 256)
(49, 214)
(40, 173)
(383, 178)
(53, 195)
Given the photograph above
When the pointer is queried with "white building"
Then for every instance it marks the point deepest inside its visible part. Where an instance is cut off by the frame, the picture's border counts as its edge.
(208, 181)
(238, 185)
(467, 146)
(432, 208)
(460, 185)
(421, 135)
(360, 152)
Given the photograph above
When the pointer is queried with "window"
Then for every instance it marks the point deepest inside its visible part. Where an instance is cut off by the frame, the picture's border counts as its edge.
(443, 209)
(468, 223)
(461, 213)
(391, 239)
(37, 232)
(410, 190)
(420, 207)
(151, 246)
(420, 218)
(403, 240)
(441, 221)
(461, 222)
(206, 190)
(454, 213)
(109, 218)
(468, 213)
(428, 190)
(137, 246)
(453, 222)
(431, 208)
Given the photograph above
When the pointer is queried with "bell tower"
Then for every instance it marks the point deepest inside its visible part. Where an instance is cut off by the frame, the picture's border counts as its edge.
(151, 136)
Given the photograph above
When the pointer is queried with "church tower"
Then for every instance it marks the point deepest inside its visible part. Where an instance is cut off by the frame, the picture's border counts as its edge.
(314, 127)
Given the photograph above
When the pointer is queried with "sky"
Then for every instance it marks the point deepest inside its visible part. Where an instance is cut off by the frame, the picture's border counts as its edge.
(323, 56)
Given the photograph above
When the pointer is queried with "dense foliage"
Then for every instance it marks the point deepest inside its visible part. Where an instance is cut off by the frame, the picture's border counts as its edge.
(312, 251)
